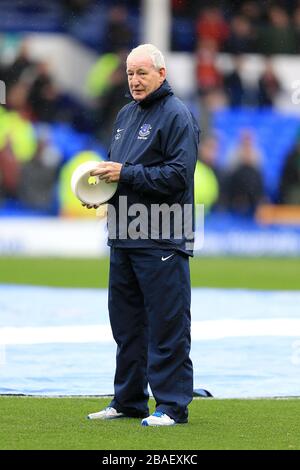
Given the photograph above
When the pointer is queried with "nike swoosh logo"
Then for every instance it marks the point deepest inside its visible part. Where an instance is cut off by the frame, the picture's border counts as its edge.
(165, 259)
(120, 130)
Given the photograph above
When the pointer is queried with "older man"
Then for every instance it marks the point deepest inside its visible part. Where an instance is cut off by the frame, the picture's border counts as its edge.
(152, 156)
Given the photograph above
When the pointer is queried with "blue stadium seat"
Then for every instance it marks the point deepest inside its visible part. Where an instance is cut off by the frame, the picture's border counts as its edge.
(42, 16)
(71, 142)
(183, 34)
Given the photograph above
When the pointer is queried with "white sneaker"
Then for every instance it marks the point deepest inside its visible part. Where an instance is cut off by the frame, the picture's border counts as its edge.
(158, 419)
(107, 413)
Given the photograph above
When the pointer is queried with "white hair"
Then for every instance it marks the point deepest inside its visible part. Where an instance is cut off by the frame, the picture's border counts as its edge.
(151, 51)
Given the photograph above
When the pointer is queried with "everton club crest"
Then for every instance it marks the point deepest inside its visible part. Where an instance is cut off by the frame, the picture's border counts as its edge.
(144, 131)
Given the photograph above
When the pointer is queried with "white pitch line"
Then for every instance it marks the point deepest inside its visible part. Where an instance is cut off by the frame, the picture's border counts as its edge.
(218, 329)
(201, 330)
(56, 334)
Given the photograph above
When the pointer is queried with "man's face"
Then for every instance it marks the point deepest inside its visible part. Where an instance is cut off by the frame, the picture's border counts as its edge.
(143, 77)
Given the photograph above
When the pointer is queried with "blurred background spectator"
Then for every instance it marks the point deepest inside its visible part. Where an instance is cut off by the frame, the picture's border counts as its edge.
(233, 83)
(107, 84)
(38, 176)
(209, 177)
(278, 36)
(235, 50)
(209, 77)
(241, 38)
(268, 85)
(290, 180)
(43, 95)
(9, 172)
(244, 183)
(119, 34)
(211, 26)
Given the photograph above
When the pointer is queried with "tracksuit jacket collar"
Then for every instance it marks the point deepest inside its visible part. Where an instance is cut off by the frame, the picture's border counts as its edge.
(164, 90)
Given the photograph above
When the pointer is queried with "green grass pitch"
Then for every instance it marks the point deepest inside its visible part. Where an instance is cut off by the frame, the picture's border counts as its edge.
(60, 423)
(251, 273)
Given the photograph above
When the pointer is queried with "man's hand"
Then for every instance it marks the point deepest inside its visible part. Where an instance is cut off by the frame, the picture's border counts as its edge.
(108, 171)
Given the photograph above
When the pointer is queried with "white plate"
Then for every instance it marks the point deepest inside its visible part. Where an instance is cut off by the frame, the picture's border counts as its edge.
(88, 192)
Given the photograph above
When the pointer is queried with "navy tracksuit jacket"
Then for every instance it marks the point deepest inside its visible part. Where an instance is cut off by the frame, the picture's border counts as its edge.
(156, 140)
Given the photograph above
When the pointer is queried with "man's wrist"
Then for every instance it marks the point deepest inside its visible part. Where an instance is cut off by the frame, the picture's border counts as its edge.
(126, 175)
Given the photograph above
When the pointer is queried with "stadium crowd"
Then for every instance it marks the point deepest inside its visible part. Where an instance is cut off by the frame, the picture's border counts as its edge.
(36, 109)
(249, 26)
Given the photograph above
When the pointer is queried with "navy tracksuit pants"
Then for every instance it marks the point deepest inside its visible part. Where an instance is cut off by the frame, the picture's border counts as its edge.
(149, 308)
